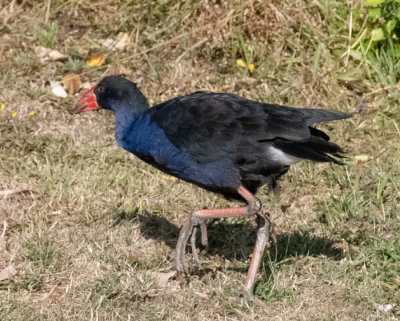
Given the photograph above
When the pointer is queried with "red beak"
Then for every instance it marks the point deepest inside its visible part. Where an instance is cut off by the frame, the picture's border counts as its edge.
(87, 102)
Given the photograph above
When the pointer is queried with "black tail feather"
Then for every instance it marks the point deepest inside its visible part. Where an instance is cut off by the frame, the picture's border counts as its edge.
(315, 148)
(314, 116)
(319, 133)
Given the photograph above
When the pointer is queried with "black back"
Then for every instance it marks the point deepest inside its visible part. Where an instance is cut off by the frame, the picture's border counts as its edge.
(211, 126)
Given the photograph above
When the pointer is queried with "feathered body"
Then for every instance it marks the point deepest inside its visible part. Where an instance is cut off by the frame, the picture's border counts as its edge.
(220, 142)
(217, 141)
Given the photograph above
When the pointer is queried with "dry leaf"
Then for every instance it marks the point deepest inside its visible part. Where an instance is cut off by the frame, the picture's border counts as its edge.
(161, 278)
(108, 43)
(58, 90)
(6, 42)
(56, 55)
(7, 272)
(362, 157)
(385, 307)
(72, 83)
(51, 54)
(121, 43)
(96, 61)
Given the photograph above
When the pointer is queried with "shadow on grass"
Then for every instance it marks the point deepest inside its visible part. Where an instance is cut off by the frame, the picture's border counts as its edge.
(151, 226)
(233, 241)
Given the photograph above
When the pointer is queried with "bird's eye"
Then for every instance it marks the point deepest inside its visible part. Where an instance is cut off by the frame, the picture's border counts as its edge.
(100, 89)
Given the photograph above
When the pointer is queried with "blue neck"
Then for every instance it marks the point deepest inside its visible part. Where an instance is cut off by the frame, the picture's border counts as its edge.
(125, 117)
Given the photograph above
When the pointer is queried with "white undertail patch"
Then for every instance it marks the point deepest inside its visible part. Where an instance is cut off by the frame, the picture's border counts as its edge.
(285, 159)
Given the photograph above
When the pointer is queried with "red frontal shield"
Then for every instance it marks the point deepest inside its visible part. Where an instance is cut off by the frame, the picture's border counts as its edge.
(87, 102)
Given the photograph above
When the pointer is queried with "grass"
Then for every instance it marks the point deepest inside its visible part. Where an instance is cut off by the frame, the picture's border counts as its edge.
(92, 221)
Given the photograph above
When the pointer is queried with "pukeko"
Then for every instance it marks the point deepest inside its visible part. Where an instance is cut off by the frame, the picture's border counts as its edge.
(221, 142)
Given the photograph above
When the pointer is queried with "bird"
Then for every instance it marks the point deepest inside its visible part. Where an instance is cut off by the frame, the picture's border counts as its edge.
(222, 143)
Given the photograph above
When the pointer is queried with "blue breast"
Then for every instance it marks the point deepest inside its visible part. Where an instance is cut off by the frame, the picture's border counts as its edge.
(149, 142)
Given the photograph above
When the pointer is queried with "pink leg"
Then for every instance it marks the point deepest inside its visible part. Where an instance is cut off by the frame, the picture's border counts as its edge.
(198, 217)
(263, 232)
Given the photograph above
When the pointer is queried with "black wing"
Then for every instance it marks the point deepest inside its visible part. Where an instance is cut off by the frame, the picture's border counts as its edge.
(208, 125)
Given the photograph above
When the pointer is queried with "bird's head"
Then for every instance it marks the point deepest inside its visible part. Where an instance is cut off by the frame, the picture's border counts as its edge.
(111, 93)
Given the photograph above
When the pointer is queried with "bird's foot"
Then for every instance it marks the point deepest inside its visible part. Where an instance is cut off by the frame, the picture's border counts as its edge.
(189, 230)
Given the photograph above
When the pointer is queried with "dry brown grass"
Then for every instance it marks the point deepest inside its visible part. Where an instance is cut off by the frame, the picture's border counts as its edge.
(94, 221)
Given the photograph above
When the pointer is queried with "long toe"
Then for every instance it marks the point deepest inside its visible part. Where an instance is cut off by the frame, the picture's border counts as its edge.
(178, 261)
(193, 245)
(184, 262)
(181, 264)
(250, 297)
(184, 236)
(180, 253)
(204, 236)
